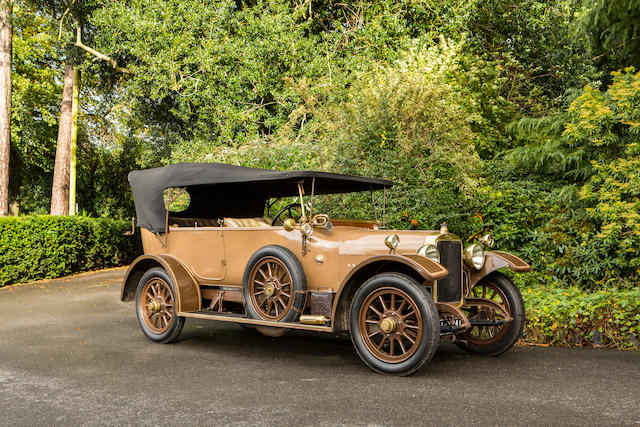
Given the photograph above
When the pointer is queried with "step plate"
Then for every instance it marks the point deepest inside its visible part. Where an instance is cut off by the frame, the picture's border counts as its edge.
(236, 318)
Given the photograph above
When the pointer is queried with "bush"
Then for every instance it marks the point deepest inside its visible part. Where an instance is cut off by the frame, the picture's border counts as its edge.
(404, 121)
(44, 247)
(583, 226)
(570, 316)
(550, 227)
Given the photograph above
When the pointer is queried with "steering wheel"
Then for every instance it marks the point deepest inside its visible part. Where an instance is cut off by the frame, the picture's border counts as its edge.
(289, 209)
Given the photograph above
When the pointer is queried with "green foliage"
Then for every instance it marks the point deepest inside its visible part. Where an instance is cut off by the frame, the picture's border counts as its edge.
(44, 247)
(213, 74)
(547, 153)
(36, 95)
(551, 227)
(103, 189)
(610, 123)
(614, 31)
(597, 127)
(514, 212)
(614, 192)
(487, 93)
(605, 123)
(407, 123)
(561, 315)
(176, 199)
(540, 40)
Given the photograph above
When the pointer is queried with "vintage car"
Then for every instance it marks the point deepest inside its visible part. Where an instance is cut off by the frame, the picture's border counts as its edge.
(226, 256)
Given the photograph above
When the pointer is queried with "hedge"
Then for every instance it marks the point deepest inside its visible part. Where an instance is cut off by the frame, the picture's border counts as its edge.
(570, 316)
(45, 247)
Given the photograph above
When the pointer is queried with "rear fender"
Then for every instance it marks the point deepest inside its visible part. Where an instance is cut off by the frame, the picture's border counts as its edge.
(188, 291)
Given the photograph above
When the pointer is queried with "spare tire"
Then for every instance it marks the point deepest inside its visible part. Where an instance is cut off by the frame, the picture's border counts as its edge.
(274, 285)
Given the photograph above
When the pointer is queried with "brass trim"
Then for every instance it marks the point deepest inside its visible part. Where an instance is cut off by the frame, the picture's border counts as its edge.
(309, 319)
(269, 289)
(289, 224)
(154, 306)
(133, 228)
(388, 325)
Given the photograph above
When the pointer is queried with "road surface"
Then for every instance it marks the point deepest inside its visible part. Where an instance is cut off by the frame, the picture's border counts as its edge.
(72, 353)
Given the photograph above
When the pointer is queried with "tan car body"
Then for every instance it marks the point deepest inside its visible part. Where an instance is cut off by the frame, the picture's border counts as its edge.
(209, 262)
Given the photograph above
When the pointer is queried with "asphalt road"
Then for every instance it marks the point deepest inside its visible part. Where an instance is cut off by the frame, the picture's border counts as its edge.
(72, 353)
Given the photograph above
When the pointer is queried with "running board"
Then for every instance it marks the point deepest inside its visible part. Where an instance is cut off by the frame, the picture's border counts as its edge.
(235, 318)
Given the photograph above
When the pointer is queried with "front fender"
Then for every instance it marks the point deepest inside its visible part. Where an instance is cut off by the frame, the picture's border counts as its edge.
(187, 289)
(417, 266)
(428, 269)
(494, 260)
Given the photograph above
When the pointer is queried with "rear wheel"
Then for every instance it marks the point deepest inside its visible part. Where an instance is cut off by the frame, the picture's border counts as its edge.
(493, 339)
(394, 324)
(274, 287)
(156, 307)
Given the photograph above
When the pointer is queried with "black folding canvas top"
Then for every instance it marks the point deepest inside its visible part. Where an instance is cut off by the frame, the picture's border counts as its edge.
(219, 190)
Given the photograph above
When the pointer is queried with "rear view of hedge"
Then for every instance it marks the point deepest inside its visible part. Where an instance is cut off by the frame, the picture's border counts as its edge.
(43, 247)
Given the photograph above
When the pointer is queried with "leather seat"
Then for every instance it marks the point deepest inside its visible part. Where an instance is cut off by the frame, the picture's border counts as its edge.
(193, 222)
(247, 222)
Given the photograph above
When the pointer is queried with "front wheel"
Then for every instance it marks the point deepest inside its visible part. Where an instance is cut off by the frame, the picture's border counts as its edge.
(488, 335)
(394, 324)
(156, 307)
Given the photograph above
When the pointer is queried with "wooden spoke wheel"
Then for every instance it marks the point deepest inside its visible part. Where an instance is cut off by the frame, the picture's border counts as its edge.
(274, 286)
(157, 305)
(394, 324)
(487, 333)
(270, 288)
(491, 333)
(390, 325)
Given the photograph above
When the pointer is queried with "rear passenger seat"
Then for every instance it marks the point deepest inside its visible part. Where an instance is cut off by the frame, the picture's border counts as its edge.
(213, 222)
(247, 222)
(193, 222)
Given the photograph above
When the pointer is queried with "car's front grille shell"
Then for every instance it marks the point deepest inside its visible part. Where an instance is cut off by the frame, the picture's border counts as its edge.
(450, 288)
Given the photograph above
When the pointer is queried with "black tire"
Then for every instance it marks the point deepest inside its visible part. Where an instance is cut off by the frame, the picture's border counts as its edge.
(515, 308)
(420, 299)
(176, 322)
(298, 284)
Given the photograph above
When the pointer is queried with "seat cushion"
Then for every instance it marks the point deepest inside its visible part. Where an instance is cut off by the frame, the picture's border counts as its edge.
(247, 222)
(193, 222)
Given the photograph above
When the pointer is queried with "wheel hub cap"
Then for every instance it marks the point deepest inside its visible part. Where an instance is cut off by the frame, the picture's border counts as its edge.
(154, 306)
(388, 325)
(269, 289)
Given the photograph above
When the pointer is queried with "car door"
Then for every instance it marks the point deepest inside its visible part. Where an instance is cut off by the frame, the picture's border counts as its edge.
(201, 249)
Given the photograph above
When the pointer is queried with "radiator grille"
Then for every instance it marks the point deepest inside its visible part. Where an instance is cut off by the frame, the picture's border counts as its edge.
(450, 288)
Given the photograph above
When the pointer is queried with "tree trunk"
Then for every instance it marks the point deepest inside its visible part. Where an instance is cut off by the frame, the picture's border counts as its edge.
(74, 142)
(60, 189)
(6, 35)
